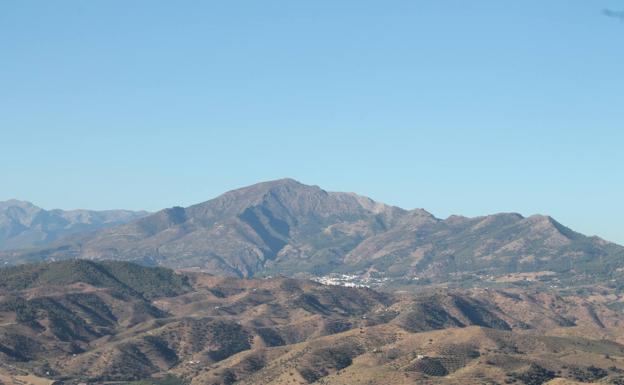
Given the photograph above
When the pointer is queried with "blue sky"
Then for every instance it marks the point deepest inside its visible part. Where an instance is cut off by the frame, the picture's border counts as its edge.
(467, 107)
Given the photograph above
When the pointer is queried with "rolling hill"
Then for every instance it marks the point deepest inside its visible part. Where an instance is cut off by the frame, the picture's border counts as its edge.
(99, 322)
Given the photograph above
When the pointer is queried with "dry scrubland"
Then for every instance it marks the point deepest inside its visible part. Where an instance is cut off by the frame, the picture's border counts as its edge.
(82, 321)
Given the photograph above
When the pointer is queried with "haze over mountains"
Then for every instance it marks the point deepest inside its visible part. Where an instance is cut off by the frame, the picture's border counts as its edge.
(23, 224)
(285, 227)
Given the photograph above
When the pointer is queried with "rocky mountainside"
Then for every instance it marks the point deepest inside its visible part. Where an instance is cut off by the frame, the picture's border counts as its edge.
(285, 227)
(98, 322)
(23, 224)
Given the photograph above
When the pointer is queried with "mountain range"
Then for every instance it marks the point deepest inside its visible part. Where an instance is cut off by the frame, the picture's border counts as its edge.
(24, 225)
(286, 227)
(102, 306)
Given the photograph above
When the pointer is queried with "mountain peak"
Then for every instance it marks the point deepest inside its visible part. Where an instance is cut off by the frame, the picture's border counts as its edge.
(547, 224)
(263, 187)
(286, 227)
(236, 201)
(17, 203)
(283, 182)
(23, 225)
(284, 185)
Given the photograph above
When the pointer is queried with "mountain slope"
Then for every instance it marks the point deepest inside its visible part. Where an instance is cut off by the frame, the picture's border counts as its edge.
(242, 231)
(285, 227)
(23, 224)
(76, 321)
(497, 244)
(51, 309)
(121, 277)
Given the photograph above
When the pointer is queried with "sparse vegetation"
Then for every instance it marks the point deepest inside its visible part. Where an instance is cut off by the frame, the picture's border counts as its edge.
(121, 277)
(286, 331)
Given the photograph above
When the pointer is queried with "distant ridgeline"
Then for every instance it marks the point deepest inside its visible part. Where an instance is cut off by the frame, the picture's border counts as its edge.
(24, 225)
(285, 227)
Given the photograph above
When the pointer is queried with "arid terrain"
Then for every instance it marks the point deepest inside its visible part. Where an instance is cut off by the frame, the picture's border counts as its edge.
(111, 322)
(284, 283)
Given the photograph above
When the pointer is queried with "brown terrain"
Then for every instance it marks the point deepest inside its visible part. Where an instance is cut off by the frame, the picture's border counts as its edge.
(111, 322)
(284, 283)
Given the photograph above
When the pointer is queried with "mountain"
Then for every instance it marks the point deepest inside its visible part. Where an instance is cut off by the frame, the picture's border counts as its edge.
(24, 225)
(99, 322)
(285, 227)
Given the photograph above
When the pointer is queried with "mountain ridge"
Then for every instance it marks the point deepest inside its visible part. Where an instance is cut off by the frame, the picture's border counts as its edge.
(286, 227)
(23, 224)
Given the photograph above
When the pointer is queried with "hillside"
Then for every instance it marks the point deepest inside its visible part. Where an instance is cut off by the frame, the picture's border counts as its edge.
(24, 225)
(218, 330)
(285, 227)
(121, 277)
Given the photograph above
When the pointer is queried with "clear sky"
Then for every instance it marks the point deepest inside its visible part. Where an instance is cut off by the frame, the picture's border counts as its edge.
(467, 107)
